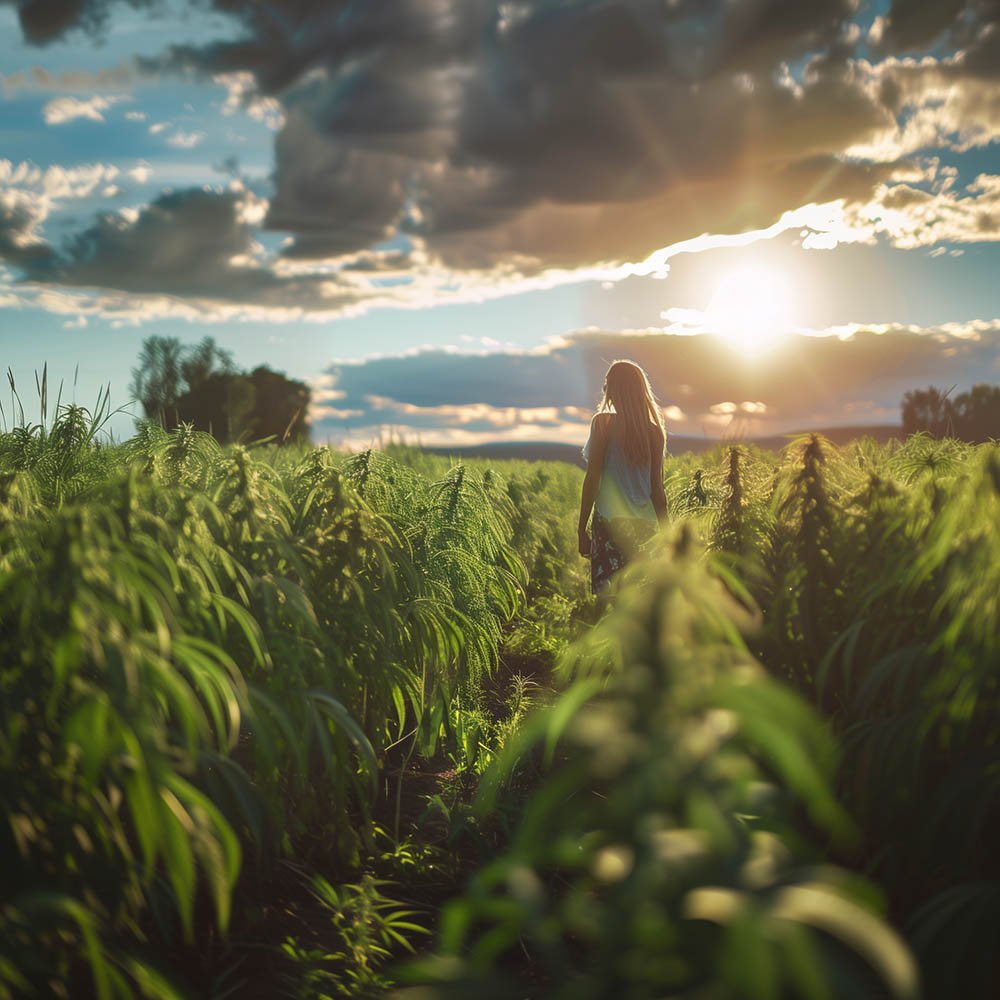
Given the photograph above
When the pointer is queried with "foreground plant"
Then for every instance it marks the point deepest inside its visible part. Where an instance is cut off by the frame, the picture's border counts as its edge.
(200, 663)
(674, 846)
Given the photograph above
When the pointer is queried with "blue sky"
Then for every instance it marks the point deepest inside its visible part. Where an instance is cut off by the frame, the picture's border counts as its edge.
(448, 215)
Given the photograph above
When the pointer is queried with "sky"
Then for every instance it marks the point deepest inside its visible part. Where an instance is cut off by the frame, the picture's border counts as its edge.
(449, 216)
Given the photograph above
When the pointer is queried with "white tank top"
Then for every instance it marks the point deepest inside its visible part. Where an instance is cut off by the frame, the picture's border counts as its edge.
(625, 488)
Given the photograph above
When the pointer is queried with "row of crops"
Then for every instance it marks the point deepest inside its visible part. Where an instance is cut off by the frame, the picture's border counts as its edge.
(272, 720)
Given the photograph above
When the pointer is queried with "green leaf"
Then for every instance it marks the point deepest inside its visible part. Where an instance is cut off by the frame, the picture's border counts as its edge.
(214, 842)
(334, 710)
(177, 828)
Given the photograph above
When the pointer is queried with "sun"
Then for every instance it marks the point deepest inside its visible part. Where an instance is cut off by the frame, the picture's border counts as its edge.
(749, 310)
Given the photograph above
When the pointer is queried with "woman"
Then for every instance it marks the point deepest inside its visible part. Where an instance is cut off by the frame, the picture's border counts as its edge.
(624, 481)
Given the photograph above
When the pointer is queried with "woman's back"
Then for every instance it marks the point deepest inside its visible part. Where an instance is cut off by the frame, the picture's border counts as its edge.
(625, 490)
(623, 487)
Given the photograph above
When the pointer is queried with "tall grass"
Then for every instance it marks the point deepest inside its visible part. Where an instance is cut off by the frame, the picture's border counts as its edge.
(873, 570)
(208, 655)
(204, 654)
(876, 574)
(674, 845)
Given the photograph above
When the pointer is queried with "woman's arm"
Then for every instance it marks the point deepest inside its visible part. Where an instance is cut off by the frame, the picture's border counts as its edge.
(656, 491)
(592, 480)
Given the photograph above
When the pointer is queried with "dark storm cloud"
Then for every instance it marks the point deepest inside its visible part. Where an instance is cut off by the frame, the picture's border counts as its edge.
(911, 25)
(972, 27)
(982, 48)
(567, 134)
(560, 133)
(20, 214)
(193, 243)
(318, 180)
(560, 234)
(285, 40)
(610, 79)
(811, 381)
(44, 21)
(578, 105)
(179, 244)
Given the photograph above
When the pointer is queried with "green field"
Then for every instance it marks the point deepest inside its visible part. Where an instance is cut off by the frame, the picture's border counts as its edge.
(288, 722)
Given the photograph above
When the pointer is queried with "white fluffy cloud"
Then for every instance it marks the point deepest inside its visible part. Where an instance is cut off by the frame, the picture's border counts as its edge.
(242, 95)
(141, 173)
(56, 182)
(61, 110)
(30, 194)
(913, 217)
(936, 103)
(185, 140)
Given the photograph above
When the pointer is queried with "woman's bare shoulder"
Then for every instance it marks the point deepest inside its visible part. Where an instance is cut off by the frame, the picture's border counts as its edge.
(601, 421)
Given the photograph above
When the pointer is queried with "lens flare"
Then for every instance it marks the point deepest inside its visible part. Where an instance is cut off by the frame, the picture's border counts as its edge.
(749, 310)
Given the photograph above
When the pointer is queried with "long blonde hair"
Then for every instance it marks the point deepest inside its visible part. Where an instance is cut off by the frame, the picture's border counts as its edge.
(628, 394)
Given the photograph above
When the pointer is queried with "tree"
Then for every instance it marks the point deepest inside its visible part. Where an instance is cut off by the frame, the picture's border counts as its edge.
(927, 410)
(204, 359)
(977, 413)
(971, 416)
(201, 385)
(281, 407)
(220, 403)
(158, 378)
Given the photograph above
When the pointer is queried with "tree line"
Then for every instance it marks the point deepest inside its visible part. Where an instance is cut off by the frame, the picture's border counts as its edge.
(970, 416)
(200, 385)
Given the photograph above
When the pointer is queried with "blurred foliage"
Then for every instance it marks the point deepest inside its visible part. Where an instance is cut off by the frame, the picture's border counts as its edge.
(662, 853)
(215, 660)
(200, 385)
(205, 653)
(873, 570)
(970, 416)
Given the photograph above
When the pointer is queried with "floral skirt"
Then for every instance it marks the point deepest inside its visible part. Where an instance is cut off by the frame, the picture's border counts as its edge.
(613, 544)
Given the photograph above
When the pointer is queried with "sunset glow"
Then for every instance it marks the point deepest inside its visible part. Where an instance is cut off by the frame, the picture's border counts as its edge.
(446, 222)
(749, 310)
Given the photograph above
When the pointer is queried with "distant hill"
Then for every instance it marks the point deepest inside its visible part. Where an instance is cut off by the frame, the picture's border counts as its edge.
(549, 451)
